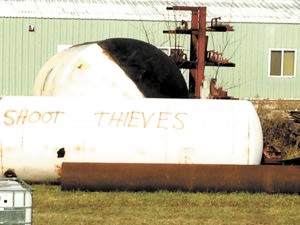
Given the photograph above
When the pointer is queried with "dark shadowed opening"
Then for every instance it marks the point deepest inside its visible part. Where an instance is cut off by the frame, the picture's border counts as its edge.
(61, 153)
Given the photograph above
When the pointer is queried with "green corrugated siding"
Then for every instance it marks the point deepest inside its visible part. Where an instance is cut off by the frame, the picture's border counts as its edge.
(22, 53)
(249, 47)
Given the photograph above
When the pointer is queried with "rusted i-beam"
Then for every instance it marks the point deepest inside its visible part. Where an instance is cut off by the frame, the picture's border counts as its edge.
(185, 177)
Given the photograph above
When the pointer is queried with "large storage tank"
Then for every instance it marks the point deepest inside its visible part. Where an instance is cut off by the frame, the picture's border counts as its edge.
(37, 134)
(111, 68)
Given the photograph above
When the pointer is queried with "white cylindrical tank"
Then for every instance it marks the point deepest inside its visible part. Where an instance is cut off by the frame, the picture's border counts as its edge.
(112, 68)
(84, 70)
(37, 134)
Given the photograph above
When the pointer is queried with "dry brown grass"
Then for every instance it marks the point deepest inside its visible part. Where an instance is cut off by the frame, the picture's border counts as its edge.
(278, 128)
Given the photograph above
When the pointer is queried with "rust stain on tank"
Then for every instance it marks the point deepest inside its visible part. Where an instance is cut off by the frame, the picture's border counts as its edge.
(107, 54)
(58, 170)
(10, 173)
(77, 148)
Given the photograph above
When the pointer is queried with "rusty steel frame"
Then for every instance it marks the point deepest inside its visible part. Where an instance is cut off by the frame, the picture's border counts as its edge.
(199, 56)
(184, 177)
(197, 44)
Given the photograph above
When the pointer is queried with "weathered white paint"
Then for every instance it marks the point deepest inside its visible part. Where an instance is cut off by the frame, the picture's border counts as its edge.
(84, 70)
(33, 129)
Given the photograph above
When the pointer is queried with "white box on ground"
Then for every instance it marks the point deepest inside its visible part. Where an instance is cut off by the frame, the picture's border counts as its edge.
(15, 202)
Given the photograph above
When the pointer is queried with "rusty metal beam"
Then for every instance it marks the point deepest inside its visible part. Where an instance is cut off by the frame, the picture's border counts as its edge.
(201, 49)
(185, 177)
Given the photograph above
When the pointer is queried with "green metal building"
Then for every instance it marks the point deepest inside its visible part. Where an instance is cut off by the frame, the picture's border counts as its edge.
(264, 45)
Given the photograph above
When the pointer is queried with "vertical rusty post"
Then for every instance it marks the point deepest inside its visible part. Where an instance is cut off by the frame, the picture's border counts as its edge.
(201, 48)
(198, 47)
(194, 48)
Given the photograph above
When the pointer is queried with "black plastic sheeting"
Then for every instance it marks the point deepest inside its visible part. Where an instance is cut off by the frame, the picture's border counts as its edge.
(155, 74)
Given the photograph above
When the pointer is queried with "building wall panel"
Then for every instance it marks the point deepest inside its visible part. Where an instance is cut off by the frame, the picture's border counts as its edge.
(22, 53)
(250, 52)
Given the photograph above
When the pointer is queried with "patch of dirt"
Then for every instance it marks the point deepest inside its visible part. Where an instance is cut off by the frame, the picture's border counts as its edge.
(279, 129)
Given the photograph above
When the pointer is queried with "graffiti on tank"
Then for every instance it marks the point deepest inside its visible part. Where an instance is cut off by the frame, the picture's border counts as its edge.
(103, 119)
(137, 119)
(21, 117)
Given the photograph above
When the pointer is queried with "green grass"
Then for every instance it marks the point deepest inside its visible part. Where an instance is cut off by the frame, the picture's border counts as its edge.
(53, 206)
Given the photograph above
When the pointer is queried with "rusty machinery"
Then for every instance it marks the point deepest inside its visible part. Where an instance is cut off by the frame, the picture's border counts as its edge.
(199, 55)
